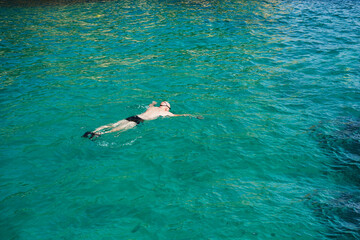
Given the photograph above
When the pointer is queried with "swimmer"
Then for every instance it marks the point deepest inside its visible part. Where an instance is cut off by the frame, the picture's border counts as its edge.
(151, 113)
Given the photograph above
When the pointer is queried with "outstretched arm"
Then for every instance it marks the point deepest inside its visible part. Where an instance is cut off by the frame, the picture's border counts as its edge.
(182, 115)
(152, 104)
(187, 115)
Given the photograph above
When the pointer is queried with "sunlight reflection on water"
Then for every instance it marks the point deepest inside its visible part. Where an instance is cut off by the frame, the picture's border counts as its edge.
(273, 158)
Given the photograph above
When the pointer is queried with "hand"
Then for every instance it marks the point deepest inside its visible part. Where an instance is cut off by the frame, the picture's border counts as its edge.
(154, 102)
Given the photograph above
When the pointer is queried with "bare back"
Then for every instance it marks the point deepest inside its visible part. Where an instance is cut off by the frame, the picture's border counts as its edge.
(154, 112)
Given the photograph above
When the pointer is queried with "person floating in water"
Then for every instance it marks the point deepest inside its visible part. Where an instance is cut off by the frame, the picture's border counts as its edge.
(150, 114)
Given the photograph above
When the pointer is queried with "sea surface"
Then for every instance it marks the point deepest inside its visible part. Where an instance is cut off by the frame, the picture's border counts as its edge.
(277, 155)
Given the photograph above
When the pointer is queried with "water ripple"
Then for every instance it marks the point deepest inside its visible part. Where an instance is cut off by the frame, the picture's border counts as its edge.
(275, 157)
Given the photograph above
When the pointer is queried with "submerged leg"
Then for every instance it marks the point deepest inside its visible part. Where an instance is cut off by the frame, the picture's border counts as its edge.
(102, 127)
(122, 126)
(120, 123)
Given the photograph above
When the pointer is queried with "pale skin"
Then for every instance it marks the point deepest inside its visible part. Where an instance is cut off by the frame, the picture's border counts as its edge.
(151, 113)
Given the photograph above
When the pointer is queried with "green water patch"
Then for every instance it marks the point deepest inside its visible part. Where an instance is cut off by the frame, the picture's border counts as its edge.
(275, 157)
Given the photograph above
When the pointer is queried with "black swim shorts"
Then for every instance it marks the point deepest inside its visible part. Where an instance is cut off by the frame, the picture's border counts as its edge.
(135, 119)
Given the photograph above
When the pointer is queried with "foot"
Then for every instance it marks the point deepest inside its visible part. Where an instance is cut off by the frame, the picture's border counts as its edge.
(94, 134)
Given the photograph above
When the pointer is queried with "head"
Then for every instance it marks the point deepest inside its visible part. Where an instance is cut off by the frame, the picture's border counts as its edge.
(165, 105)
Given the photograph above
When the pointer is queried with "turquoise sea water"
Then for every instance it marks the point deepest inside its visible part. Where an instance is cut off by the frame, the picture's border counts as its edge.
(277, 155)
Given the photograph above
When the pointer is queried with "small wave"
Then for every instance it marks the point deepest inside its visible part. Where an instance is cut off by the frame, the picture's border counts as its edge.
(112, 144)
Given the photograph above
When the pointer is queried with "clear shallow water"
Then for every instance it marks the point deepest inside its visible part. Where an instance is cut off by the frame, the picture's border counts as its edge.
(275, 157)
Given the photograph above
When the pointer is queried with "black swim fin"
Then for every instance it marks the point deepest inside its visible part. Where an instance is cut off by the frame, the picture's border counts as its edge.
(86, 134)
